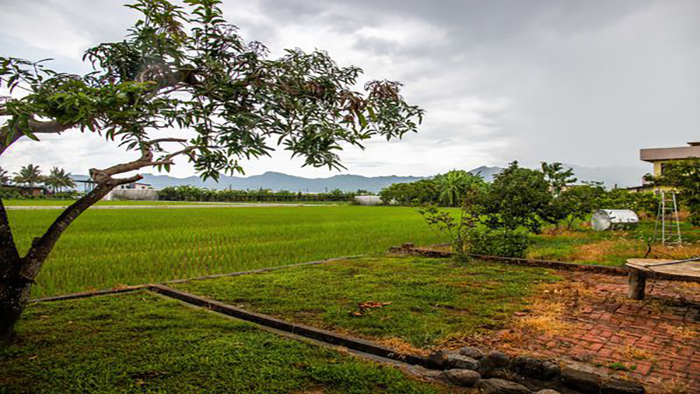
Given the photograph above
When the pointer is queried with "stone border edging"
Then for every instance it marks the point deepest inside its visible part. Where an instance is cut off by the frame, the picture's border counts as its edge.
(292, 328)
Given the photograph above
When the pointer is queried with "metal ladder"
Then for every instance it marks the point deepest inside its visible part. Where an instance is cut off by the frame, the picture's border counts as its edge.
(668, 217)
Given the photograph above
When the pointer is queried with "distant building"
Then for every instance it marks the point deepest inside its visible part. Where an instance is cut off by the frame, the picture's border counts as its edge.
(133, 191)
(134, 186)
(660, 156)
(367, 200)
(29, 191)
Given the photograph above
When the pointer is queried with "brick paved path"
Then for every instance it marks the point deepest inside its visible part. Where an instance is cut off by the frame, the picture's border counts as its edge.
(655, 341)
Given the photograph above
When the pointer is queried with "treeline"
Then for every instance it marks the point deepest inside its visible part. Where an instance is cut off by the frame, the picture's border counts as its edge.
(58, 182)
(192, 193)
(521, 196)
(497, 218)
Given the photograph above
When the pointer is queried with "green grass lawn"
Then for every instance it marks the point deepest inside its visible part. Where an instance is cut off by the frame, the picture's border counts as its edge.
(106, 248)
(418, 301)
(141, 343)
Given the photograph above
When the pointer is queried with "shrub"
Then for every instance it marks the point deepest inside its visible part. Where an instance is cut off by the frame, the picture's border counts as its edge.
(502, 242)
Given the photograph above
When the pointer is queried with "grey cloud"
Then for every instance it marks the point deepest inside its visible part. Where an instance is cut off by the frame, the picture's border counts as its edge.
(583, 82)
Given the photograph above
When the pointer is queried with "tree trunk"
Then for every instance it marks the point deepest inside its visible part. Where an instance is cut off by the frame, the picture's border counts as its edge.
(14, 294)
(17, 274)
(11, 289)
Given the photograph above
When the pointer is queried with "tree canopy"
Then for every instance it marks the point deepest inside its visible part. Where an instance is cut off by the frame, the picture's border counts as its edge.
(29, 175)
(185, 83)
(178, 70)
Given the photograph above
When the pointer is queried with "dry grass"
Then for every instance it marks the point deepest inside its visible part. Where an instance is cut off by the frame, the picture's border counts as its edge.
(402, 346)
(545, 318)
(684, 332)
(676, 252)
(601, 251)
(675, 386)
(638, 354)
(631, 248)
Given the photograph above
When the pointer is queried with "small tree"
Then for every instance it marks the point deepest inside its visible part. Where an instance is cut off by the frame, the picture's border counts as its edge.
(456, 227)
(518, 197)
(29, 175)
(471, 232)
(4, 178)
(58, 179)
(454, 185)
(214, 99)
(557, 177)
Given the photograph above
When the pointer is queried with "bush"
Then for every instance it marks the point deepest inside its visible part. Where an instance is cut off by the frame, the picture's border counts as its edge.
(502, 242)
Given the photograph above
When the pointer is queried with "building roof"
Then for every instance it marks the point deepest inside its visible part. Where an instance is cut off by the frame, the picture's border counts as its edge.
(658, 154)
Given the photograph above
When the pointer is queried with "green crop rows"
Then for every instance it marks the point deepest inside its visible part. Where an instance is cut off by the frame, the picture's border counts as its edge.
(107, 248)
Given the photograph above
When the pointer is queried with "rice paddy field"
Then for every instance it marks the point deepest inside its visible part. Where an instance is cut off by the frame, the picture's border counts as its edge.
(65, 203)
(108, 248)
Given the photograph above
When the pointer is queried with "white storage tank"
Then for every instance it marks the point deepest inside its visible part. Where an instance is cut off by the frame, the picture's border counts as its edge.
(613, 219)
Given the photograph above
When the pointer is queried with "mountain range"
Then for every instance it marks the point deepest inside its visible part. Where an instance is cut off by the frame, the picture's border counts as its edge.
(610, 176)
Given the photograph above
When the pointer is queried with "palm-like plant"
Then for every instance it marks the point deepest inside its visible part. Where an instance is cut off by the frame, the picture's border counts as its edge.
(453, 185)
(4, 178)
(29, 175)
(58, 179)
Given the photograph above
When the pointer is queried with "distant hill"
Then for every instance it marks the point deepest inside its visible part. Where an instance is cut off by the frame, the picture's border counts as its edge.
(611, 176)
(620, 176)
(487, 172)
(279, 181)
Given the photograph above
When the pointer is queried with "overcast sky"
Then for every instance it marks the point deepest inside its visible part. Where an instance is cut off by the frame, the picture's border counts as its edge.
(581, 82)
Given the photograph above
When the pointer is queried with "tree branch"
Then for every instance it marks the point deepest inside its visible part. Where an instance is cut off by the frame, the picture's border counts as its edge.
(38, 127)
(160, 140)
(41, 247)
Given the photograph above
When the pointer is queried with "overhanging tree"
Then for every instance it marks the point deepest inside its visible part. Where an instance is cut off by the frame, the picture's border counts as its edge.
(184, 83)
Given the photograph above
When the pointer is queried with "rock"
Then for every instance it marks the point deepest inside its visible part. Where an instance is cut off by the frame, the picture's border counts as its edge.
(462, 377)
(500, 373)
(438, 359)
(472, 352)
(548, 391)
(457, 361)
(621, 387)
(550, 370)
(500, 386)
(492, 361)
(587, 382)
(534, 368)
